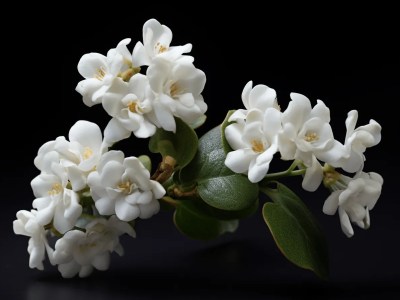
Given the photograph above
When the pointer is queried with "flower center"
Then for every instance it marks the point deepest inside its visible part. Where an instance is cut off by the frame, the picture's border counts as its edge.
(126, 187)
(87, 153)
(55, 189)
(160, 48)
(132, 106)
(257, 146)
(100, 74)
(311, 137)
(174, 89)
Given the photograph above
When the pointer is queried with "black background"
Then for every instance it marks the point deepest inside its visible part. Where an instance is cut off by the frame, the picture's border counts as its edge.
(346, 58)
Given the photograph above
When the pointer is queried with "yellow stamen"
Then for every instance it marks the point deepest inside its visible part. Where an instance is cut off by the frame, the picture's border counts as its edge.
(100, 74)
(87, 153)
(174, 90)
(311, 137)
(257, 146)
(132, 106)
(55, 189)
(160, 48)
(125, 187)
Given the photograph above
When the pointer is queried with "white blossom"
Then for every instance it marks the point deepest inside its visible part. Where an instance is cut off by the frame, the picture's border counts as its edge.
(261, 97)
(101, 72)
(27, 224)
(55, 203)
(177, 88)
(307, 136)
(122, 186)
(79, 156)
(354, 198)
(130, 105)
(356, 142)
(156, 43)
(254, 141)
(78, 252)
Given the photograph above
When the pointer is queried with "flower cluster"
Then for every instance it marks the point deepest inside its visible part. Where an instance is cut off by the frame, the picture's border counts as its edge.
(302, 133)
(139, 103)
(87, 195)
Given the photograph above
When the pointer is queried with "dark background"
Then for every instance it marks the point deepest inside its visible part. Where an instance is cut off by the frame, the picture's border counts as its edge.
(346, 58)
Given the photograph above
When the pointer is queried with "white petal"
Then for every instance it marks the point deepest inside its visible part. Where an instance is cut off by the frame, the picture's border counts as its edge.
(87, 88)
(87, 134)
(246, 94)
(313, 176)
(233, 134)
(101, 262)
(77, 178)
(165, 118)
(351, 121)
(297, 111)
(140, 56)
(272, 122)
(91, 63)
(85, 271)
(145, 130)
(321, 111)
(149, 210)
(111, 174)
(345, 223)
(262, 97)
(105, 206)
(239, 160)
(115, 132)
(125, 211)
(69, 270)
(331, 204)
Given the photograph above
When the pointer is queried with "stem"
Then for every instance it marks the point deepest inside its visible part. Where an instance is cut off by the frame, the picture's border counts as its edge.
(170, 201)
(288, 173)
(165, 169)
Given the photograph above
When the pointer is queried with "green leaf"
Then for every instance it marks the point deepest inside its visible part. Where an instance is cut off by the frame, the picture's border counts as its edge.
(225, 123)
(217, 185)
(181, 145)
(146, 161)
(295, 230)
(195, 223)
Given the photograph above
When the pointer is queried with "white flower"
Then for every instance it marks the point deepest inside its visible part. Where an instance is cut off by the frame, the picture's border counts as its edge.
(80, 252)
(27, 224)
(48, 154)
(260, 97)
(79, 156)
(100, 72)
(356, 142)
(307, 136)
(255, 142)
(156, 43)
(83, 152)
(354, 198)
(54, 202)
(129, 104)
(177, 89)
(122, 186)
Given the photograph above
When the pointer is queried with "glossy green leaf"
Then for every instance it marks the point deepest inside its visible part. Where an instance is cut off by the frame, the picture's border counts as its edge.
(217, 185)
(295, 230)
(195, 223)
(181, 145)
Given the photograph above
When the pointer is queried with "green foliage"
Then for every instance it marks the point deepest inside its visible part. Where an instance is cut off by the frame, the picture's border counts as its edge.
(217, 185)
(295, 230)
(194, 222)
(181, 145)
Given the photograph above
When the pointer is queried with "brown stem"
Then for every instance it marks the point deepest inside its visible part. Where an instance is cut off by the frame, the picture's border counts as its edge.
(165, 169)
